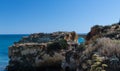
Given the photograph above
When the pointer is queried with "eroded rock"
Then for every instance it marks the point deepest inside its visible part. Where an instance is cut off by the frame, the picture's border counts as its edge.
(40, 50)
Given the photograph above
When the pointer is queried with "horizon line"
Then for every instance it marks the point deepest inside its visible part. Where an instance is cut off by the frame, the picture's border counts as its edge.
(28, 33)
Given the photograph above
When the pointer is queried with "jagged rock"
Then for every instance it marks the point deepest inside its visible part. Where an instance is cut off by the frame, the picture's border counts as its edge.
(70, 63)
(49, 37)
(102, 41)
(114, 62)
(40, 50)
(111, 31)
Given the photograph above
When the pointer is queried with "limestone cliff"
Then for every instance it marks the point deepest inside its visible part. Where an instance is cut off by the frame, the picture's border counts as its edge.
(40, 50)
(101, 53)
(110, 31)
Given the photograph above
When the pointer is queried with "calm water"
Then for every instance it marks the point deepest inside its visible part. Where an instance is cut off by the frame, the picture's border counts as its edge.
(81, 40)
(5, 42)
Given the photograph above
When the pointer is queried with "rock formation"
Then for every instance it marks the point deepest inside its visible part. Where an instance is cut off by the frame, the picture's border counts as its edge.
(104, 42)
(110, 31)
(39, 51)
(100, 53)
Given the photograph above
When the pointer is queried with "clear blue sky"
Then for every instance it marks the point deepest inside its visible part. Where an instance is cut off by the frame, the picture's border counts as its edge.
(32, 16)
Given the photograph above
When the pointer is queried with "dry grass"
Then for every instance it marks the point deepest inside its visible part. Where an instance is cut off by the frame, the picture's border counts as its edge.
(109, 47)
(104, 47)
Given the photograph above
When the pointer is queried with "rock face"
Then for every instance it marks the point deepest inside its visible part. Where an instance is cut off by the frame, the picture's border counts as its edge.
(101, 53)
(103, 46)
(110, 31)
(40, 50)
(50, 37)
(60, 50)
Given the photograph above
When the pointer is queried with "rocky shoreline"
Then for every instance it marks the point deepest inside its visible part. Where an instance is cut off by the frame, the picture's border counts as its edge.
(39, 51)
(60, 51)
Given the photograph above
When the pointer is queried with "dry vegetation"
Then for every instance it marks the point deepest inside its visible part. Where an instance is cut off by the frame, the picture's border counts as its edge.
(107, 49)
(104, 47)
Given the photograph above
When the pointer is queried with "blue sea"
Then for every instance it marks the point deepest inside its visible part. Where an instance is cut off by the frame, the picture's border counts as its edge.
(8, 40)
(81, 40)
(5, 42)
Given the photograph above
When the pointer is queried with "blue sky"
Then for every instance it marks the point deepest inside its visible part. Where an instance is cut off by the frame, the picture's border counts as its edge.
(32, 16)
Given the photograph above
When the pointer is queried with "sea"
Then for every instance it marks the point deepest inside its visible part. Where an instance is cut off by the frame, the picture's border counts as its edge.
(6, 41)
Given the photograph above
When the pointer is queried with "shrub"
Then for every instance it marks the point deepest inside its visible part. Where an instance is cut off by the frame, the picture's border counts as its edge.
(97, 63)
(53, 46)
(107, 56)
(63, 44)
(108, 47)
(58, 45)
(81, 47)
(105, 47)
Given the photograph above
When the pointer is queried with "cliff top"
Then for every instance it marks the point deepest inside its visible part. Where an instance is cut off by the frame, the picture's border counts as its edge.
(47, 37)
(109, 31)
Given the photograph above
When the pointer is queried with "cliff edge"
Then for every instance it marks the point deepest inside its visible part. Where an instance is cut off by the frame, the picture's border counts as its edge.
(109, 31)
(40, 51)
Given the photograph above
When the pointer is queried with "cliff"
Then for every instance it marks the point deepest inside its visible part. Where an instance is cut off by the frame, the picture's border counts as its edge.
(102, 49)
(100, 53)
(40, 50)
(109, 31)
(60, 50)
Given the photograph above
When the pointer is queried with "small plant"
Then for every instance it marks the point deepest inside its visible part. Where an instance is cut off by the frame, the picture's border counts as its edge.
(53, 46)
(97, 64)
(63, 44)
(81, 47)
(104, 66)
(57, 45)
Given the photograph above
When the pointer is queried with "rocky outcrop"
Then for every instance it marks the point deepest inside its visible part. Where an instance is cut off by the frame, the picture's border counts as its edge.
(110, 31)
(40, 50)
(26, 56)
(49, 37)
(71, 37)
(101, 53)
(71, 61)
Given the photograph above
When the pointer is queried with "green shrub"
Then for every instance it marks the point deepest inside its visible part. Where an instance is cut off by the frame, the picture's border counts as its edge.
(53, 46)
(58, 45)
(63, 44)
(81, 47)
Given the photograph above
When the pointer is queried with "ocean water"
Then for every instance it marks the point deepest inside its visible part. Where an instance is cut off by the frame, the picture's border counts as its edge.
(5, 42)
(81, 40)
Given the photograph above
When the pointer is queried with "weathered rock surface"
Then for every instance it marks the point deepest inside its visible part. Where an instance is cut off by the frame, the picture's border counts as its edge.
(110, 31)
(101, 53)
(60, 49)
(40, 50)
(49, 37)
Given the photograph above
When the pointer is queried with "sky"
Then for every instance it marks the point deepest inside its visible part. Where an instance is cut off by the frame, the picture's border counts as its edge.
(34, 16)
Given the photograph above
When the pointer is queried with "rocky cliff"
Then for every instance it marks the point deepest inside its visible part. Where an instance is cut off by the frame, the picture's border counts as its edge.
(100, 53)
(102, 49)
(110, 31)
(40, 50)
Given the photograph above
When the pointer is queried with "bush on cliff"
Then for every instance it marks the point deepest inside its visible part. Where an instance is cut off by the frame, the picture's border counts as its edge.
(106, 48)
(53, 46)
(81, 47)
(58, 45)
(63, 44)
